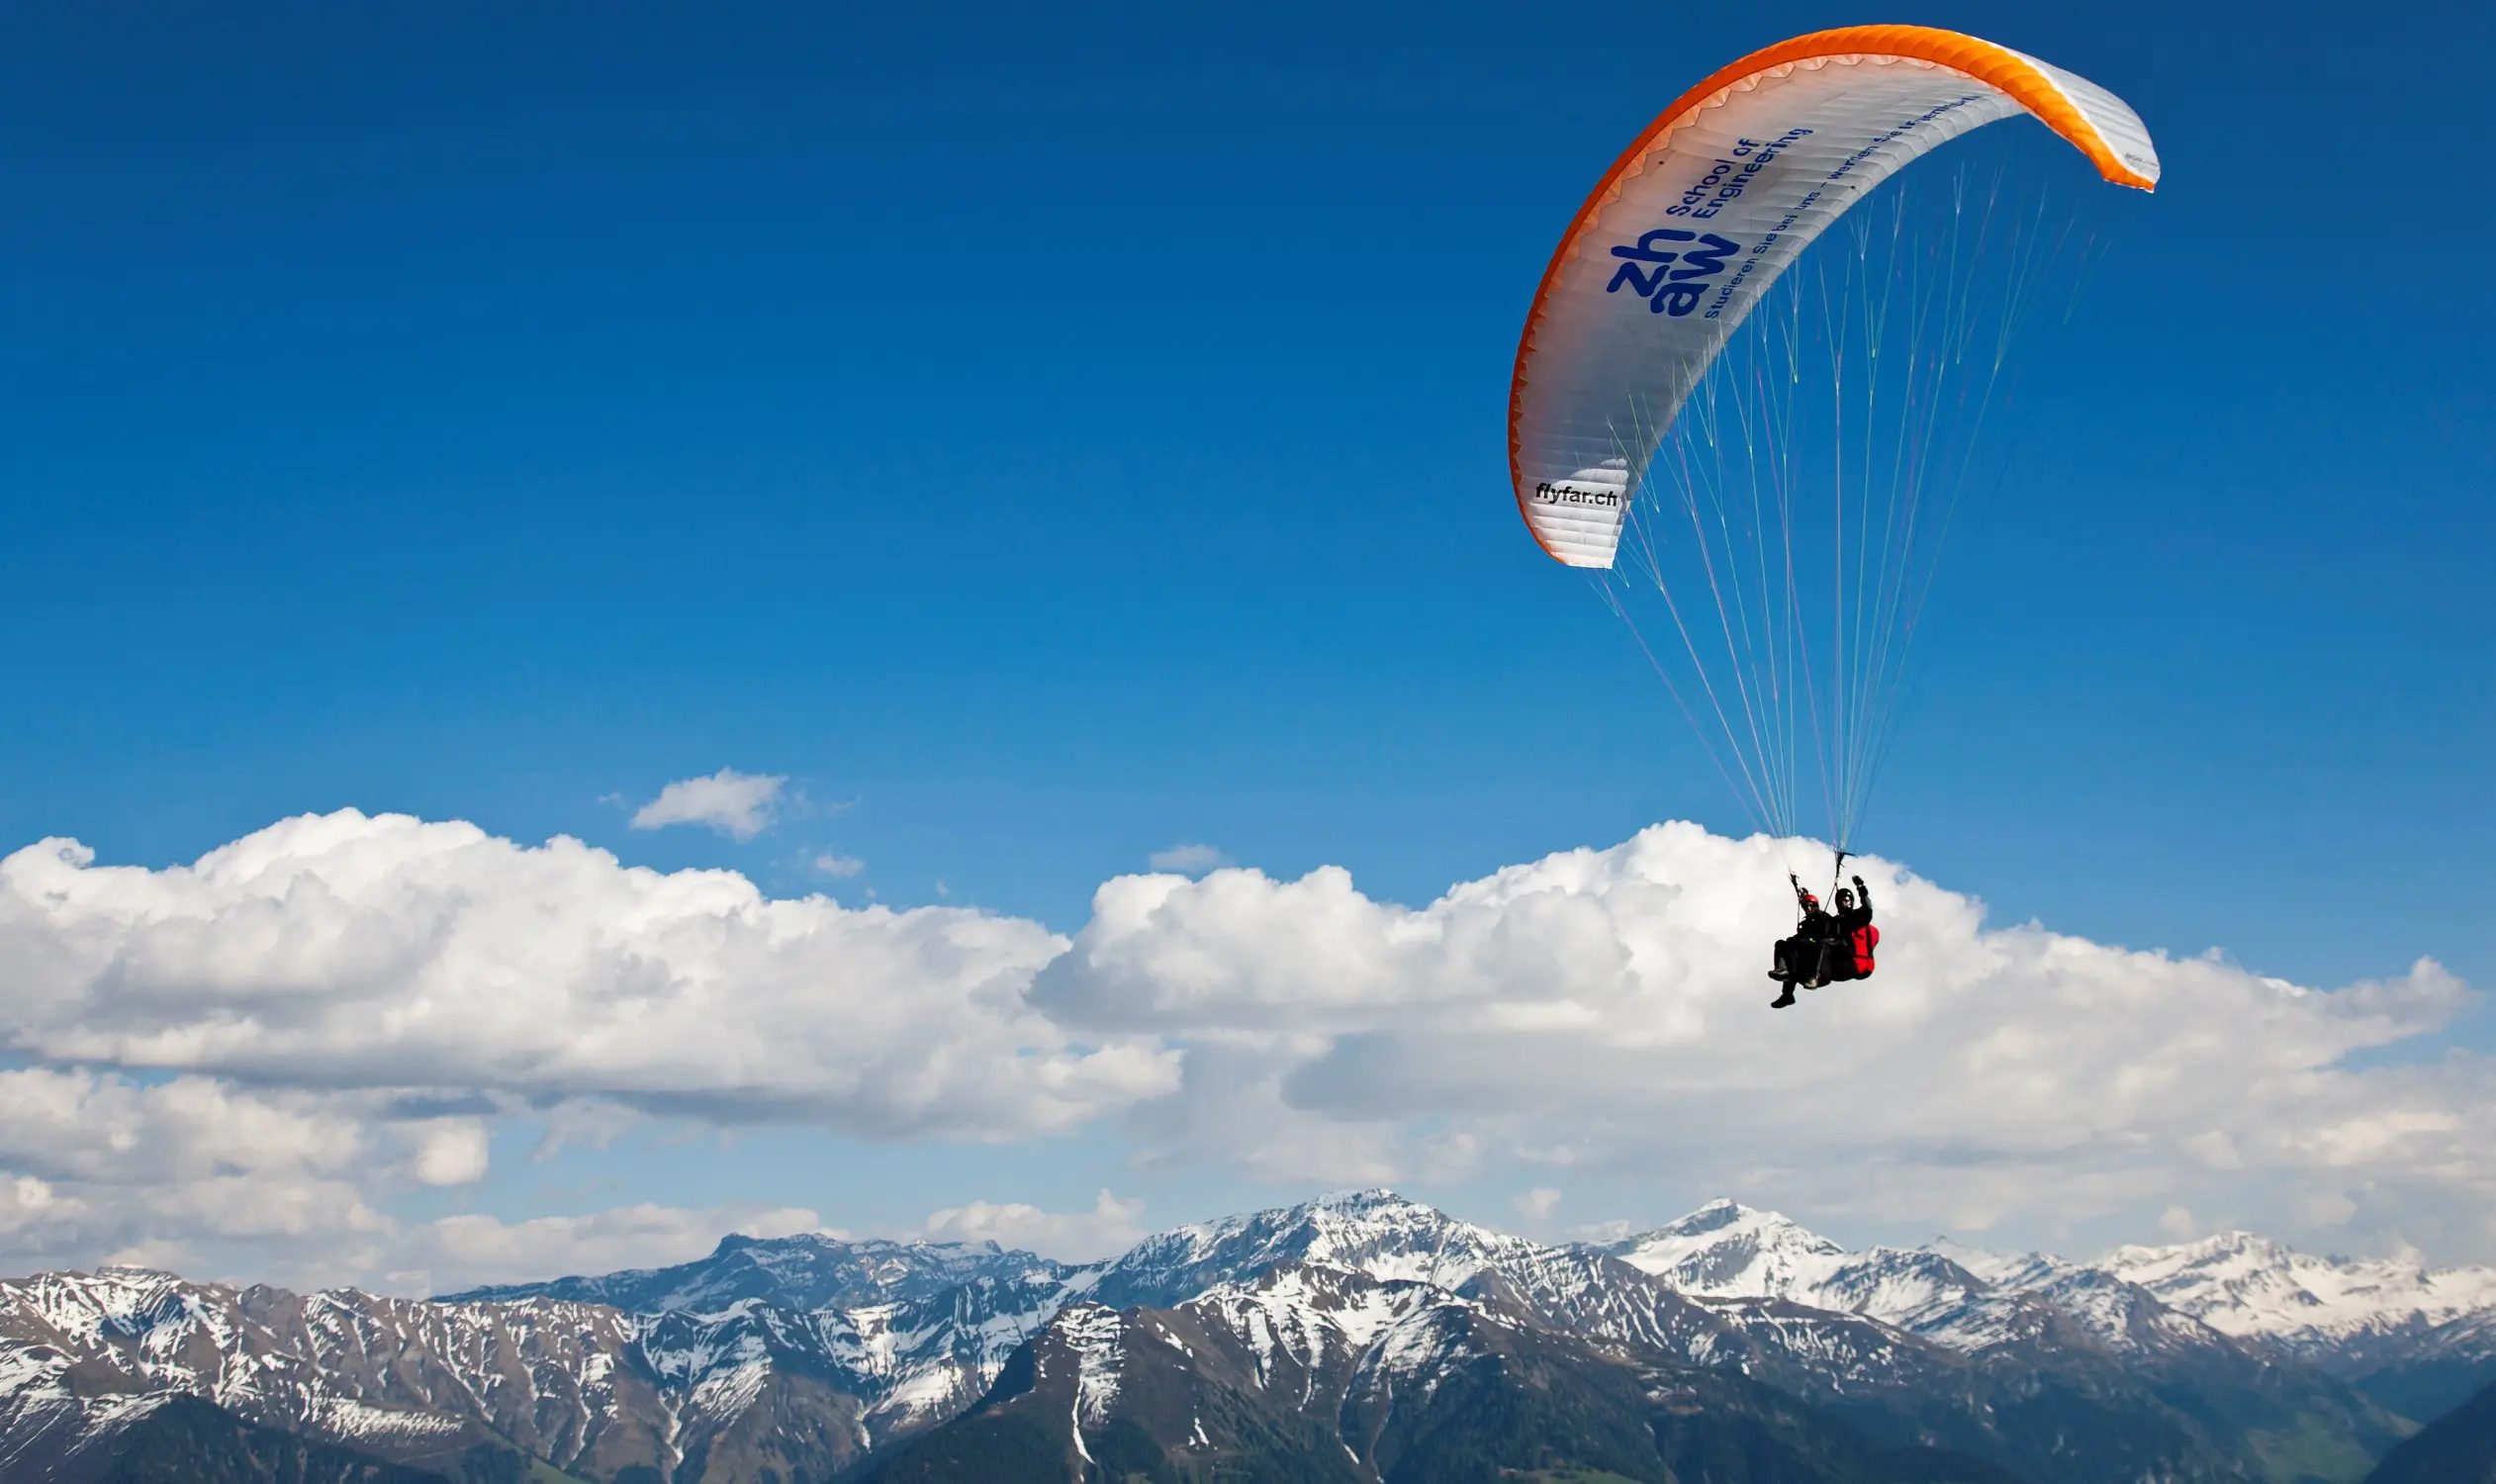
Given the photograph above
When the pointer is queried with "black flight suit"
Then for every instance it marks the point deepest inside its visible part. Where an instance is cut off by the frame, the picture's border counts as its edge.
(1799, 957)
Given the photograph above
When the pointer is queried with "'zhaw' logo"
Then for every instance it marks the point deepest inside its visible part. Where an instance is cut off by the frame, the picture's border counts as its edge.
(1678, 291)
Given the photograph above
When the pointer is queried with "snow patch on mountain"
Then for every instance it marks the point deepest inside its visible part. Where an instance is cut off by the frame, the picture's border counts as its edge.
(1094, 1334)
(345, 1417)
(1307, 1315)
(1417, 1351)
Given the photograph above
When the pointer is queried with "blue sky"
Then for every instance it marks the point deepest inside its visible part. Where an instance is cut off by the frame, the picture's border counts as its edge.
(497, 416)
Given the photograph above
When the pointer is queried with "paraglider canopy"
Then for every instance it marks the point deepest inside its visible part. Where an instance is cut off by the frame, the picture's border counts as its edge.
(1713, 201)
(1771, 461)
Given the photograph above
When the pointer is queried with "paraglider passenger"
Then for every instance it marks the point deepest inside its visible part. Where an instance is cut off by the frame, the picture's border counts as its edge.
(1797, 958)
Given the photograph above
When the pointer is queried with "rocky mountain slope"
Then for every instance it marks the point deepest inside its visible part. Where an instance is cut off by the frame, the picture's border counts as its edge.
(84, 1356)
(2458, 1447)
(2414, 1340)
(1327, 1374)
(2419, 1340)
(812, 1357)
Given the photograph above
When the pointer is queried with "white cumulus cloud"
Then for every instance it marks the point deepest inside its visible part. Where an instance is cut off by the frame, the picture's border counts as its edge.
(1109, 1227)
(1537, 1204)
(446, 1151)
(1187, 859)
(737, 805)
(96, 1167)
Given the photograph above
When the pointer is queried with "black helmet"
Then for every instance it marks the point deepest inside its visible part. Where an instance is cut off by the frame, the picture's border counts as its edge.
(1845, 898)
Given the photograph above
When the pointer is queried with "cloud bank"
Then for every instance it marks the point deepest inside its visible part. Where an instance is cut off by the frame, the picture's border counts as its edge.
(1608, 1009)
(383, 952)
(273, 1044)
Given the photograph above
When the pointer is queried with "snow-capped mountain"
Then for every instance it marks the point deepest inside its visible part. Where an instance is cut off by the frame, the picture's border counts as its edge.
(1961, 1297)
(82, 1354)
(2246, 1285)
(589, 1387)
(1388, 1239)
(807, 1271)
(815, 1356)
(2137, 1297)
(1724, 1249)
(2416, 1338)
(1373, 1232)
(2121, 1315)
(1728, 1250)
(1909, 1344)
(912, 1330)
(1319, 1372)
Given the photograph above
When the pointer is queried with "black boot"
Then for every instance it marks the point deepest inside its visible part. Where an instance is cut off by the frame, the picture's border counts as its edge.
(1783, 1000)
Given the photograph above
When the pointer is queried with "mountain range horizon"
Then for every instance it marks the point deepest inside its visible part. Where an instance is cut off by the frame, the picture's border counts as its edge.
(817, 1356)
(1714, 1213)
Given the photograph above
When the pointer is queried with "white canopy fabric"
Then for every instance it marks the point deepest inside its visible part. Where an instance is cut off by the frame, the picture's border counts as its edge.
(1723, 191)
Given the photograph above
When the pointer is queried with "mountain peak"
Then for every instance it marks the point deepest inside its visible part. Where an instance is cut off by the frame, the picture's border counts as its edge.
(1716, 1216)
(2232, 1252)
(1373, 1231)
(1368, 1198)
(1724, 1216)
(2234, 1242)
(1726, 1250)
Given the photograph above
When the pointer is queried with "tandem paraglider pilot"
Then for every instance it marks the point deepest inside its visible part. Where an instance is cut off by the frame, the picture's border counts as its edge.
(1826, 948)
